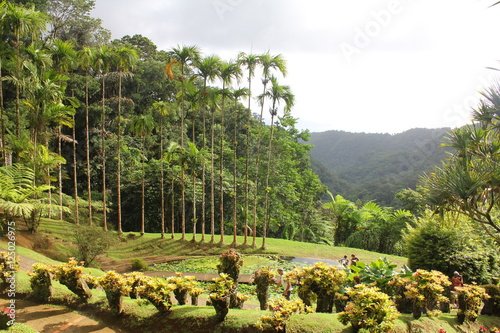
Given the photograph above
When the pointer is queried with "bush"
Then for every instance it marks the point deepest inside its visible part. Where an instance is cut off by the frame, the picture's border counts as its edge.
(115, 286)
(469, 302)
(437, 246)
(369, 309)
(282, 309)
(157, 291)
(230, 264)
(262, 279)
(91, 242)
(40, 281)
(322, 280)
(139, 265)
(426, 290)
(220, 292)
(492, 304)
(71, 275)
(182, 286)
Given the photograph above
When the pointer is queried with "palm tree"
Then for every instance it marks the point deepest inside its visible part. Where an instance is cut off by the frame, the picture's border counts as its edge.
(276, 94)
(170, 157)
(22, 21)
(250, 61)
(208, 70)
(163, 109)
(184, 56)
(86, 58)
(237, 94)
(124, 59)
(229, 71)
(142, 126)
(63, 58)
(213, 98)
(268, 63)
(102, 63)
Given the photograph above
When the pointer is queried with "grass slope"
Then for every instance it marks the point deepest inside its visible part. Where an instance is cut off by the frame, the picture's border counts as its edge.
(187, 318)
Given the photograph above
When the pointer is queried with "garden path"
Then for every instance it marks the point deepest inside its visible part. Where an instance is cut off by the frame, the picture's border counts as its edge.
(51, 319)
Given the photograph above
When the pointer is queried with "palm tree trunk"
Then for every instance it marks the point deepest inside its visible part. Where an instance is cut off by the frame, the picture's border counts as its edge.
(59, 172)
(162, 181)
(75, 180)
(119, 148)
(87, 147)
(212, 183)
(143, 193)
(103, 156)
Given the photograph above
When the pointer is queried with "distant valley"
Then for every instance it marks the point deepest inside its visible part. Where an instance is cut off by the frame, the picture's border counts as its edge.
(367, 166)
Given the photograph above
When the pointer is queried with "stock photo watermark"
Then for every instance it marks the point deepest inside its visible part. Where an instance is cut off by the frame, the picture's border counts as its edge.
(363, 35)
(10, 273)
(224, 6)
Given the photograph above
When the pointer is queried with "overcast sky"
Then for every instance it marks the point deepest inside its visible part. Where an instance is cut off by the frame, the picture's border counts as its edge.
(377, 66)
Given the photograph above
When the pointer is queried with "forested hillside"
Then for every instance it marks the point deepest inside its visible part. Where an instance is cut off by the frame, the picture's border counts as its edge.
(370, 166)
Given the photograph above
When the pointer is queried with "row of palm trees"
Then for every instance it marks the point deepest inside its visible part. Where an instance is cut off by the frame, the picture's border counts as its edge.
(40, 73)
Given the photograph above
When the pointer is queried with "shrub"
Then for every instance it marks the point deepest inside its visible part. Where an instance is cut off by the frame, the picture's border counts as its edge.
(9, 264)
(469, 302)
(115, 286)
(220, 292)
(369, 309)
(426, 290)
(437, 246)
(195, 293)
(492, 304)
(138, 264)
(262, 279)
(282, 310)
(70, 274)
(230, 264)
(40, 281)
(134, 280)
(90, 242)
(182, 286)
(321, 279)
(157, 291)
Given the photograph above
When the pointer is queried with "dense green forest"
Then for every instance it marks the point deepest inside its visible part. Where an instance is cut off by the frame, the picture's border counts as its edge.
(123, 136)
(370, 166)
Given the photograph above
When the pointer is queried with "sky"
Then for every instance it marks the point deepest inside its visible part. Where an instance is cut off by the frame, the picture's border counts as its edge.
(374, 66)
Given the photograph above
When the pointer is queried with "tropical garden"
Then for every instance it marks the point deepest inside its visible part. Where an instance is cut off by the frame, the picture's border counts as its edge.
(119, 138)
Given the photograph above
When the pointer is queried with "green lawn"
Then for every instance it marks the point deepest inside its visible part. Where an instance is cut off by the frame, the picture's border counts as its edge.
(144, 317)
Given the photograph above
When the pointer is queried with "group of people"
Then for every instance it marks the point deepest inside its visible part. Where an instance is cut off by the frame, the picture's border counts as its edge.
(346, 262)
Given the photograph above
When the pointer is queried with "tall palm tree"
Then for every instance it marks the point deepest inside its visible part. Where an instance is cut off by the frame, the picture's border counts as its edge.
(102, 64)
(170, 157)
(124, 59)
(86, 58)
(268, 63)
(208, 70)
(22, 21)
(63, 58)
(185, 56)
(237, 94)
(142, 126)
(213, 105)
(229, 71)
(250, 61)
(276, 93)
(163, 109)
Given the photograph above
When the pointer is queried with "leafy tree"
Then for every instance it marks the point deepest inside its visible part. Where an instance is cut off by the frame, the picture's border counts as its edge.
(90, 242)
(469, 181)
(445, 247)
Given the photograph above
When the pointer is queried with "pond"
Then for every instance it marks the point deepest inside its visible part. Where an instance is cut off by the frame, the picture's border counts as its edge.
(250, 264)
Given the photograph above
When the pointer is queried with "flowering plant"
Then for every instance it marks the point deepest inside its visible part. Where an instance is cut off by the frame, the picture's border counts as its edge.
(369, 309)
(426, 290)
(71, 275)
(157, 291)
(282, 309)
(40, 281)
(469, 301)
(182, 286)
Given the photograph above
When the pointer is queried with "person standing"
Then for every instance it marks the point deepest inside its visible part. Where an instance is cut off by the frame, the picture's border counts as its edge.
(344, 261)
(282, 282)
(457, 281)
(354, 260)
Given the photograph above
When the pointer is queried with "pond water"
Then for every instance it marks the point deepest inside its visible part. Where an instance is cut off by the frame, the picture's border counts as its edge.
(250, 264)
(311, 261)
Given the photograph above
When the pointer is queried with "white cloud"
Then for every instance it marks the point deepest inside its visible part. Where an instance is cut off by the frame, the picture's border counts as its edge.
(416, 63)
